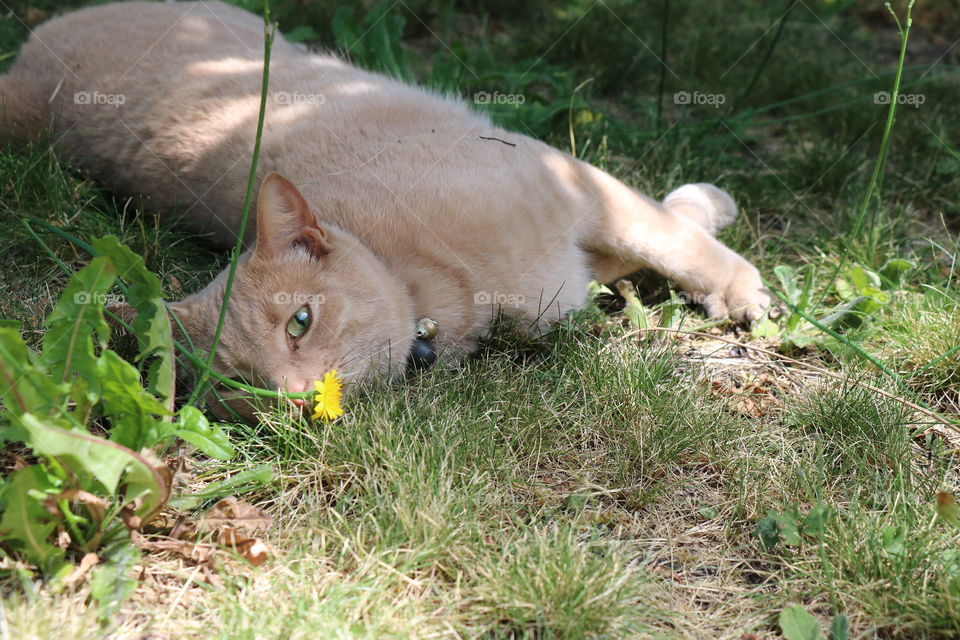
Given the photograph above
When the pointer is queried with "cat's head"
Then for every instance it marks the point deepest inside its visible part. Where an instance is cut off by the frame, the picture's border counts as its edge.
(308, 298)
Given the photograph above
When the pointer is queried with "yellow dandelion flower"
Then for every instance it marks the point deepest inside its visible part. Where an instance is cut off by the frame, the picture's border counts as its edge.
(329, 395)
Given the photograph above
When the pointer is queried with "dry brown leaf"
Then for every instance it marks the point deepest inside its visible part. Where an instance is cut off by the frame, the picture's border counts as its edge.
(193, 551)
(19, 463)
(254, 550)
(234, 514)
(80, 571)
(63, 538)
(231, 523)
(754, 399)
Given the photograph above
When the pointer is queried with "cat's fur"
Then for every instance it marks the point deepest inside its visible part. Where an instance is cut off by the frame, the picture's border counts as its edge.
(397, 203)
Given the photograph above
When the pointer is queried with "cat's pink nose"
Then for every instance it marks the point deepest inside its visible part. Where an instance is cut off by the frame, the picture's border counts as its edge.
(296, 385)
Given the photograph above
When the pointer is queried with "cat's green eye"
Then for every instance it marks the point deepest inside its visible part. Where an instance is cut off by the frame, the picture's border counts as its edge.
(299, 322)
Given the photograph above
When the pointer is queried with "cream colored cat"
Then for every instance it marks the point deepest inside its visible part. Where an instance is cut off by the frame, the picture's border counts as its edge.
(396, 204)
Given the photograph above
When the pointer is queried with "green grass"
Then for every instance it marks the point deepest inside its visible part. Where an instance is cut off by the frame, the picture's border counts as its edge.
(594, 484)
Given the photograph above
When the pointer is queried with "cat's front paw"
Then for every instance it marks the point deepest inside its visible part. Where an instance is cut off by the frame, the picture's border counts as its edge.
(745, 299)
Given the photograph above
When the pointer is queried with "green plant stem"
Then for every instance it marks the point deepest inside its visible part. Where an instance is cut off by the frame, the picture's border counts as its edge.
(884, 143)
(248, 200)
(73, 521)
(891, 112)
(233, 384)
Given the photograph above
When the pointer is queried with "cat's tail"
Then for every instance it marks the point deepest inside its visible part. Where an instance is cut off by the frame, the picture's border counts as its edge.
(709, 206)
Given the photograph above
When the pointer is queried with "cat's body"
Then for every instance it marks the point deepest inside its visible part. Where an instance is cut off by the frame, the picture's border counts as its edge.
(420, 207)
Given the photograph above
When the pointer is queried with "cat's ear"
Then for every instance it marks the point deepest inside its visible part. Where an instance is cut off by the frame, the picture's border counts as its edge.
(183, 314)
(284, 220)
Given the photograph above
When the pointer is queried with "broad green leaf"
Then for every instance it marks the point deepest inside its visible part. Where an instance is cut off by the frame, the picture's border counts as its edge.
(132, 410)
(152, 323)
(209, 439)
(852, 314)
(83, 404)
(796, 623)
(112, 581)
(786, 277)
(839, 628)
(894, 540)
(768, 530)
(25, 524)
(634, 309)
(845, 290)
(77, 318)
(56, 573)
(25, 385)
(146, 483)
(892, 272)
(799, 340)
(789, 529)
(862, 279)
(764, 328)
(244, 481)
(88, 457)
(815, 522)
(595, 289)
(671, 314)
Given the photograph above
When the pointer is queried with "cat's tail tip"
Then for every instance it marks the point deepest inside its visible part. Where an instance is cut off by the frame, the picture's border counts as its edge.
(709, 206)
